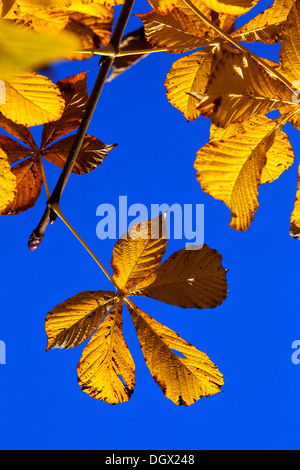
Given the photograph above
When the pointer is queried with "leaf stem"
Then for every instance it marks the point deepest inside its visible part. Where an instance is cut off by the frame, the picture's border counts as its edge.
(44, 176)
(55, 207)
(239, 46)
(49, 216)
(122, 53)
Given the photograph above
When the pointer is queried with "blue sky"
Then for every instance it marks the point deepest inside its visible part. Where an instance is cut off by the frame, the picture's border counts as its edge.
(249, 337)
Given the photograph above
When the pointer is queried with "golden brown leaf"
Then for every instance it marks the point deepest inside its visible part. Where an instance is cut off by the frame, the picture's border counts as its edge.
(14, 151)
(175, 31)
(137, 254)
(91, 155)
(230, 169)
(8, 182)
(290, 47)
(230, 7)
(184, 380)
(165, 6)
(41, 19)
(32, 99)
(74, 92)
(240, 88)
(106, 370)
(190, 278)
(18, 131)
(29, 184)
(74, 320)
(188, 75)
(295, 217)
(267, 26)
(93, 32)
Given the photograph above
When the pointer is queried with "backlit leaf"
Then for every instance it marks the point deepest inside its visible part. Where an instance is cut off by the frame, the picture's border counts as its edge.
(14, 150)
(8, 182)
(230, 169)
(190, 278)
(18, 131)
(230, 7)
(92, 153)
(137, 254)
(240, 88)
(295, 218)
(106, 370)
(175, 31)
(74, 320)
(188, 75)
(93, 32)
(184, 380)
(29, 185)
(32, 99)
(289, 51)
(267, 26)
(74, 92)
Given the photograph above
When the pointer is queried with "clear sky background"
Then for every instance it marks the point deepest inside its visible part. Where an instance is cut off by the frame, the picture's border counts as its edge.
(249, 337)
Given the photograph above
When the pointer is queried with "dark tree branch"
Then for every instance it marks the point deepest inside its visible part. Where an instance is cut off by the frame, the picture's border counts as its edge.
(49, 215)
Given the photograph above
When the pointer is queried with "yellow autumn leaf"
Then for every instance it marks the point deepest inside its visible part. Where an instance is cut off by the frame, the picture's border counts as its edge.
(106, 370)
(139, 252)
(295, 217)
(92, 8)
(184, 380)
(290, 47)
(240, 88)
(41, 19)
(190, 278)
(176, 31)
(267, 26)
(22, 49)
(32, 99)
(231, 169)
(230, 7)
(73, 321)
(165, 6)
(188, 75)
(8, 182)
(280, 156)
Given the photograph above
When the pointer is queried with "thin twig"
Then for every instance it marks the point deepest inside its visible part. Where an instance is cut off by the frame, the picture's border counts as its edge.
(122, 53)
(44, 176)
(49, 215)
(55, 207)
